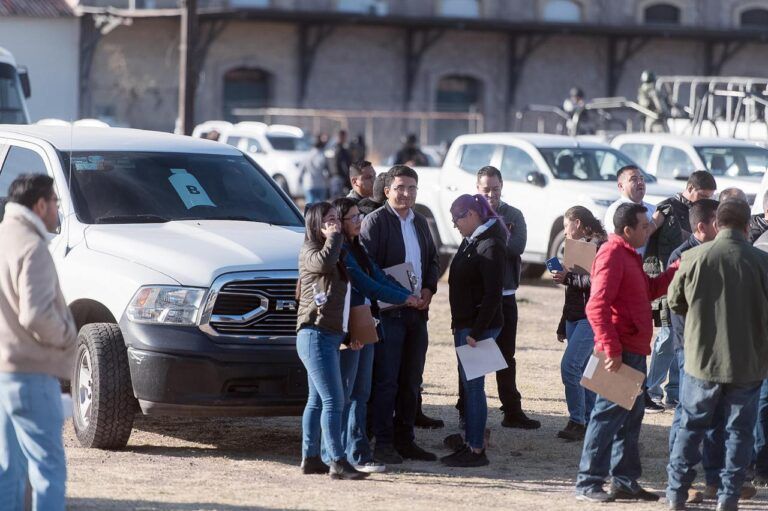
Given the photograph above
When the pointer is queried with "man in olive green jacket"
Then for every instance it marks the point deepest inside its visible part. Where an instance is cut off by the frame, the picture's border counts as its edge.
(722, 289)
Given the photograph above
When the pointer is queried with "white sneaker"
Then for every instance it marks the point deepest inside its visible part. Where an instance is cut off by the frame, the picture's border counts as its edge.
(371, 467)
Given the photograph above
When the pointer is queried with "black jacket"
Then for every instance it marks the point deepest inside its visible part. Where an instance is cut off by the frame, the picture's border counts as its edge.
(476, 280)
(675, 229)
(757, 226)
(577, 291)
(382, 237)
(518, 237)
(368, 205)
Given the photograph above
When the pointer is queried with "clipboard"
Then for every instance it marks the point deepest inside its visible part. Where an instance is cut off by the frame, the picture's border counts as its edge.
(404, 274)
(579, 256)
(621, 387)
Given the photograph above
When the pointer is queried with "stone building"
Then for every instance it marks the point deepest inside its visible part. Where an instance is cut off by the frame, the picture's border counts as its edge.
(493, 57)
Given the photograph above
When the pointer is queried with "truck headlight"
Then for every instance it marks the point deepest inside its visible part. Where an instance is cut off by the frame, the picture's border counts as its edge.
(168, 305)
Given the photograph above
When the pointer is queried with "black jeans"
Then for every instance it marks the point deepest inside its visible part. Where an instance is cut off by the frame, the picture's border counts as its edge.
(506, 379)
(398, 370)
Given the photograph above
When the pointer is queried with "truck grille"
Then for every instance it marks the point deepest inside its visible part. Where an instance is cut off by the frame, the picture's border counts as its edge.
(240, 298)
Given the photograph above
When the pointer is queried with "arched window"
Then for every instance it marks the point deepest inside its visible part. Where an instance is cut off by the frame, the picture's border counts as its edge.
(754, 18)
(662, 13)
(460, 8)
(245, 88)
(564, 11)
(456, 93)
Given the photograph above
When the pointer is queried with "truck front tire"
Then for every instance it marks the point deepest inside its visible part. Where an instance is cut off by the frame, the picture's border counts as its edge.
(104, 405)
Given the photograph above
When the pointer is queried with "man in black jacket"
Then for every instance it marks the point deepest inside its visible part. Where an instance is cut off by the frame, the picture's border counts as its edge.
(758, 224)
(392, 235)
(674, 230)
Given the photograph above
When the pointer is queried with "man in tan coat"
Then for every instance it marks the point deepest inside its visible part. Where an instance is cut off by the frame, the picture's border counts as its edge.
(37, 346)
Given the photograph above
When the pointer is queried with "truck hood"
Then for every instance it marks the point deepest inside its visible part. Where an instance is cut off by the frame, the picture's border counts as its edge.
(195, 252)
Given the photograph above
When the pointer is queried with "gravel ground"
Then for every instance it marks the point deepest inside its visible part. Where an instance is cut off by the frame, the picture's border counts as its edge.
(238, 464)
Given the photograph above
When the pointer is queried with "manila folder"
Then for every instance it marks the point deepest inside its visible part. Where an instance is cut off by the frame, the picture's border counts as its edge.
(402, 274)
(578, 256)
(621, 387)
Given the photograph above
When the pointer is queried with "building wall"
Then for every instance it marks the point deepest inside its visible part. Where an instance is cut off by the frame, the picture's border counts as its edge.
(49, 49)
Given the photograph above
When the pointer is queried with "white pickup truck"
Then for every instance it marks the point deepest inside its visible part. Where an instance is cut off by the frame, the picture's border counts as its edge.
(543, 175)
(178, 258)
(14, 89)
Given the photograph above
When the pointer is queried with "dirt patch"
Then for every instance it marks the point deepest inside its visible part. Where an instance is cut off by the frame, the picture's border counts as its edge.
(238, 464)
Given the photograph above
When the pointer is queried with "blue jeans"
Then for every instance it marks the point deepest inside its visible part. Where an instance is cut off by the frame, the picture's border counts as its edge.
(761, 433)
(31, 446)
(318, 350)
(700, 400)
(313, 195)
(713, 448)
(475, 405)
(662, 363)
(581, 343)
(398, 367)
(611, 443)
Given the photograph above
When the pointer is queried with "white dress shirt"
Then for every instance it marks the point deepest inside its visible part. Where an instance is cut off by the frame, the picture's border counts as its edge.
(608, 222)
(412, 248)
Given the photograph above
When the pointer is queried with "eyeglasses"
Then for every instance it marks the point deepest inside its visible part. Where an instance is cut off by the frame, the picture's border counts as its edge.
(459, 217)
(355, 219)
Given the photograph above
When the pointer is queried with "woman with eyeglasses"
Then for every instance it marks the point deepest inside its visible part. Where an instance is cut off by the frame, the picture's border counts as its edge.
(324, 295)
(475, 282)
(369, 283)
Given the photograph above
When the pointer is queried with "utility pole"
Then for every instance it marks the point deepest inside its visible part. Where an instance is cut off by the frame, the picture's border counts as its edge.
(187, 72)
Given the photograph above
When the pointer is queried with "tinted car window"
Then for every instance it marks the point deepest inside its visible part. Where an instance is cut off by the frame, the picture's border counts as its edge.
(586, 164)
(19, 161)
(516, 164)
(476, 156)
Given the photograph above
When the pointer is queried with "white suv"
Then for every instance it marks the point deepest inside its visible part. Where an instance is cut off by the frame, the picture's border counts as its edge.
(734, 163)
(178, 258)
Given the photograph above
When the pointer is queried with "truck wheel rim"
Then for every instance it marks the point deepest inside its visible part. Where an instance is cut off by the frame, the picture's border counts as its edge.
(84, 387)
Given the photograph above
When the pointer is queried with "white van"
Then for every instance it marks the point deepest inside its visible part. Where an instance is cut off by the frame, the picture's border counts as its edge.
(14, 89)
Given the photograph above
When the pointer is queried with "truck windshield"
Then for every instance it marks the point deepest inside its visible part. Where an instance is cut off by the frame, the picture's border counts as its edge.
(587, 164)
(734, 161)
(288, 143)
(11, 100)
(153, 187)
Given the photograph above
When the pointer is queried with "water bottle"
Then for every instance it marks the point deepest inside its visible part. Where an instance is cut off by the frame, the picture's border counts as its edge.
(320, 296)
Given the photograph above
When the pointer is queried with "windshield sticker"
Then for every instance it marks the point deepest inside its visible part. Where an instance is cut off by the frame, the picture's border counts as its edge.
(189, 189)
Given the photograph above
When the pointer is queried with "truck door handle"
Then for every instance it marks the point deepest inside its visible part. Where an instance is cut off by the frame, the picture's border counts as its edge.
(453, 188)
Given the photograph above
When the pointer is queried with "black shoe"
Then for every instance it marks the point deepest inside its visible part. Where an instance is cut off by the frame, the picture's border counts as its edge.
(731, 506)
(454, 442)
(343, 470)
(519, 420)
(652, 406)
(466, 458)
(424, 422)
(596, 497)
(760, 480)
(573, 431)
(640, 494)
(387, 455)
(676, 506)
(414, 452)
(313, 465)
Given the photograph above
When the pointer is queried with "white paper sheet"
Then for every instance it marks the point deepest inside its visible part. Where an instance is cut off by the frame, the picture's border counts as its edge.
(485, 358)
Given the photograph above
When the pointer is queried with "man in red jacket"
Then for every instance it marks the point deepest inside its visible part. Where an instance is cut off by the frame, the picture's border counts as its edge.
(619, 311)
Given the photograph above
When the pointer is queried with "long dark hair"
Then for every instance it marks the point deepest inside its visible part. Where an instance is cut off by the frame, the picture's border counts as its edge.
(589, 223)
(344, 205)
(313, 221)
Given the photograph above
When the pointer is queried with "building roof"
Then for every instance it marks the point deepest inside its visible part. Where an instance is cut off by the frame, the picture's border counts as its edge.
(81, 138)
(36, 8)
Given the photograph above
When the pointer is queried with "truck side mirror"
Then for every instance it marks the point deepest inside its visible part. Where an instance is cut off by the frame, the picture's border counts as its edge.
(26, 87)
(536, 179)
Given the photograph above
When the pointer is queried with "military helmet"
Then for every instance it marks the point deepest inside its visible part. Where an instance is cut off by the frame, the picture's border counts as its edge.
(648, 76)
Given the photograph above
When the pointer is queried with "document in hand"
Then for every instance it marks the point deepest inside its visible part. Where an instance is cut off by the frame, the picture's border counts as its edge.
(621, 387)
(579, 255)
(483, 359)
(404, 274)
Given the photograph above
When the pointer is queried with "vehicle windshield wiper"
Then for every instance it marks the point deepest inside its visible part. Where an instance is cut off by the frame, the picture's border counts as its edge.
(132, 219)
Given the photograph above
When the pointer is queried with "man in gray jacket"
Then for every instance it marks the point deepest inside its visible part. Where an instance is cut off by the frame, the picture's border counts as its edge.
(37, 346)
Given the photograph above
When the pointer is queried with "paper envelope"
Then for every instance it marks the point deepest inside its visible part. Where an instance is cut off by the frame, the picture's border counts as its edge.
(621, 387)
(579, 256)
(402, 273)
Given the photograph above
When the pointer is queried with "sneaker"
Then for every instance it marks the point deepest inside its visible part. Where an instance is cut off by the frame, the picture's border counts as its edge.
(414, 452)
(639, 494)
(343, 470)
(387, 455)
(425, 422)
(466, 458)
(572, 431)
(313, 465)
(454, 442)
(519, 420)
(596, 497)
(652, 406)
(371, 467)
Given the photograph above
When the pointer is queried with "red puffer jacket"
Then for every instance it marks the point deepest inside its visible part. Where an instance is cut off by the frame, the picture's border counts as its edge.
(619, 308)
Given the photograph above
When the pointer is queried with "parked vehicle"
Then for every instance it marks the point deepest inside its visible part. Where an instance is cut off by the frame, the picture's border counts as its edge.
(544, 175)
(673, 157)
(178, 259)
(14, 89)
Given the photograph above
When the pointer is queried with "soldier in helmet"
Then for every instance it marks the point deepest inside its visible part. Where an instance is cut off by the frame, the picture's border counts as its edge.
(574, 105)
(655, 100)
